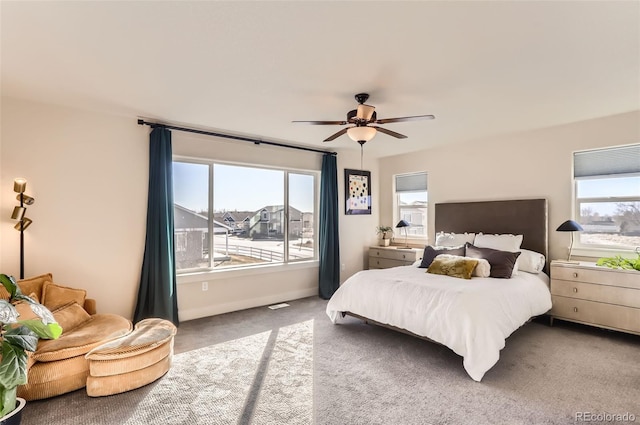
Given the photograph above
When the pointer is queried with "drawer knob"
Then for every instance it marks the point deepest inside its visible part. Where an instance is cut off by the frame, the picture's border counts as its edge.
(575, 274)
(404, 256)
(575, 309)
(575, 289)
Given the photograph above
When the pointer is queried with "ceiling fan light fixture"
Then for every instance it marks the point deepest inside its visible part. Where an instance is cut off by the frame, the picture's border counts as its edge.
(365, 112)
(361, 133)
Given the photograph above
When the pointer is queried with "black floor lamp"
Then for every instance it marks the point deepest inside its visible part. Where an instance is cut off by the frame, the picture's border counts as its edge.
(19, 186)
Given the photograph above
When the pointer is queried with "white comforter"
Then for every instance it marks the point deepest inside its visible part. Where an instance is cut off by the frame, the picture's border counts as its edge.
(472, 317)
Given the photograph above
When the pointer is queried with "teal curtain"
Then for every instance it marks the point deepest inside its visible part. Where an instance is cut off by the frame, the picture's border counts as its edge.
(157, 291)
(328, 243)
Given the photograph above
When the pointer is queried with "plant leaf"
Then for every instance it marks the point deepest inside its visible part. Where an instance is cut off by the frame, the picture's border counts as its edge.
(10, 285)
(7, 400)
(8, 313)
(43, 330)
(13, 366)
(22, 337)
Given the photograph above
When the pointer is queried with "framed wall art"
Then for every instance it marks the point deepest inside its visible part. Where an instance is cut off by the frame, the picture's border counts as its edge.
(357, 192)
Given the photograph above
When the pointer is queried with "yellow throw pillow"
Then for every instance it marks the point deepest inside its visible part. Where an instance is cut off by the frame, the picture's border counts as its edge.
(55, 296)
(70, 316)
(454, 267)
(33, 285)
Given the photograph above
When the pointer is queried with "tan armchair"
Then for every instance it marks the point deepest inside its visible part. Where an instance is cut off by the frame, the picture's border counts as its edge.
(59, 366)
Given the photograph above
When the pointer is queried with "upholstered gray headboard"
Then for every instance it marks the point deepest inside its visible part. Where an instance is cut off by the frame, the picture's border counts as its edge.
(527, 217)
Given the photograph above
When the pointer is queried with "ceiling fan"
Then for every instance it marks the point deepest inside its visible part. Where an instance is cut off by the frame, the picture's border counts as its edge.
(361, 119)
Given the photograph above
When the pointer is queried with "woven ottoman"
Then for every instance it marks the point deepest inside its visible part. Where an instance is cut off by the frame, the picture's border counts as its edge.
(131, 361)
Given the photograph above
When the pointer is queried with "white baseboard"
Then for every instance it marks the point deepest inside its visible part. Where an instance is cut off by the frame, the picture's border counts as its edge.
(212, 310)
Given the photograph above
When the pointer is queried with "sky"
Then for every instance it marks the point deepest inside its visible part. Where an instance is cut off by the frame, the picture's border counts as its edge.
(603, 188)
(239, 188)
(248, 188)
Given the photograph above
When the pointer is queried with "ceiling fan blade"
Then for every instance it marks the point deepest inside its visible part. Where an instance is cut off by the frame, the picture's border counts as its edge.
(336, 135)
(322, 122)
(389, 132)
(403, 119)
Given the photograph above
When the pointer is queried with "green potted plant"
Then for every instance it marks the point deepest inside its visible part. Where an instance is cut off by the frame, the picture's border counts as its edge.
(619, 262)
(17, 337)
(386, 233)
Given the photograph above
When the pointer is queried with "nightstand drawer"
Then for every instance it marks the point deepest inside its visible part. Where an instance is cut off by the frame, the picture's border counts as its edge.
(600, 314)
(591, 292)
(393, 254)
(601, 275)
(385, 263)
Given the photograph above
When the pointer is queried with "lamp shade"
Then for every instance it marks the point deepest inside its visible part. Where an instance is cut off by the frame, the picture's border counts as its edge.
(569, 226)
(363, 133)
(18, 213)
(26, 199)
(23, 224)
(365, 112)
(19, 185)
(402, 223)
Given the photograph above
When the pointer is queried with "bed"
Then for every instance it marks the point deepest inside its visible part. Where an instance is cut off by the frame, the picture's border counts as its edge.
(473, 317)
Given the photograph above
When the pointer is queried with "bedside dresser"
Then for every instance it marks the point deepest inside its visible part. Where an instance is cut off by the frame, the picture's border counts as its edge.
(383, 257)
(598, 296)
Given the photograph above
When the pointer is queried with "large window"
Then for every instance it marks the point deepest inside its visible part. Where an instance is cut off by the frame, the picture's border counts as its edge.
(411, 201)
(607, 191)
(234, 216)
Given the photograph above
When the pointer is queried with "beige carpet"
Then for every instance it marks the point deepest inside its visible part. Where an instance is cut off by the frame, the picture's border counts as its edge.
(265, 378)
(365, 375)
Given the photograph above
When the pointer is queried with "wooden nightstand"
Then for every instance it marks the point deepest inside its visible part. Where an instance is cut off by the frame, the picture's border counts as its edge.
(598, 296)
(383, 257)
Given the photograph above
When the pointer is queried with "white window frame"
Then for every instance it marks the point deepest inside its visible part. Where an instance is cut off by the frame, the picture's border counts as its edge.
(601, 250)
(414, 186)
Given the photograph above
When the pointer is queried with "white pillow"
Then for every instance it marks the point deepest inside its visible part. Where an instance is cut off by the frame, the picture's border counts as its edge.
(530, 261)
(504, 242)
(482, 269)
(454, 239)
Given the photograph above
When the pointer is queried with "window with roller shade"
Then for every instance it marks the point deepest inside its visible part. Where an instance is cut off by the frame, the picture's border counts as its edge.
(607, 197)
(411, 201)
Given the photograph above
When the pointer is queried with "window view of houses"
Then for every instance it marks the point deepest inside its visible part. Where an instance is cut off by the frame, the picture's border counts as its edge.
(608, 210)
(232, 236)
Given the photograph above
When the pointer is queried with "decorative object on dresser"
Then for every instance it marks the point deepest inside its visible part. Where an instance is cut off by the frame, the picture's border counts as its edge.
(403, 224)
(569, 226)
(593, 295)
(19, 186)
(383, 258)
(619, 262)
(385, 231)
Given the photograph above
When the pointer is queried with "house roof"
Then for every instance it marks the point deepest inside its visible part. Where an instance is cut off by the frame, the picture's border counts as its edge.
(483, 68)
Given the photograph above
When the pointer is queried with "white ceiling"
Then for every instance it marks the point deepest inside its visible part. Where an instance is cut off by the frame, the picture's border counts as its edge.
(482, 68)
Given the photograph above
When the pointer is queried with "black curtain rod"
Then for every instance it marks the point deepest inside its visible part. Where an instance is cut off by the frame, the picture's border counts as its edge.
(231, 136)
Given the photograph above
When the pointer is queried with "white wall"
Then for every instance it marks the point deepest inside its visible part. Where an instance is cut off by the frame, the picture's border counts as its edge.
(535, 164)
(89, 174)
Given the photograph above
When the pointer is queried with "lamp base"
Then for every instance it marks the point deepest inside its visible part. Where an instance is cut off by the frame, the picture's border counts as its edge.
(566, 261)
